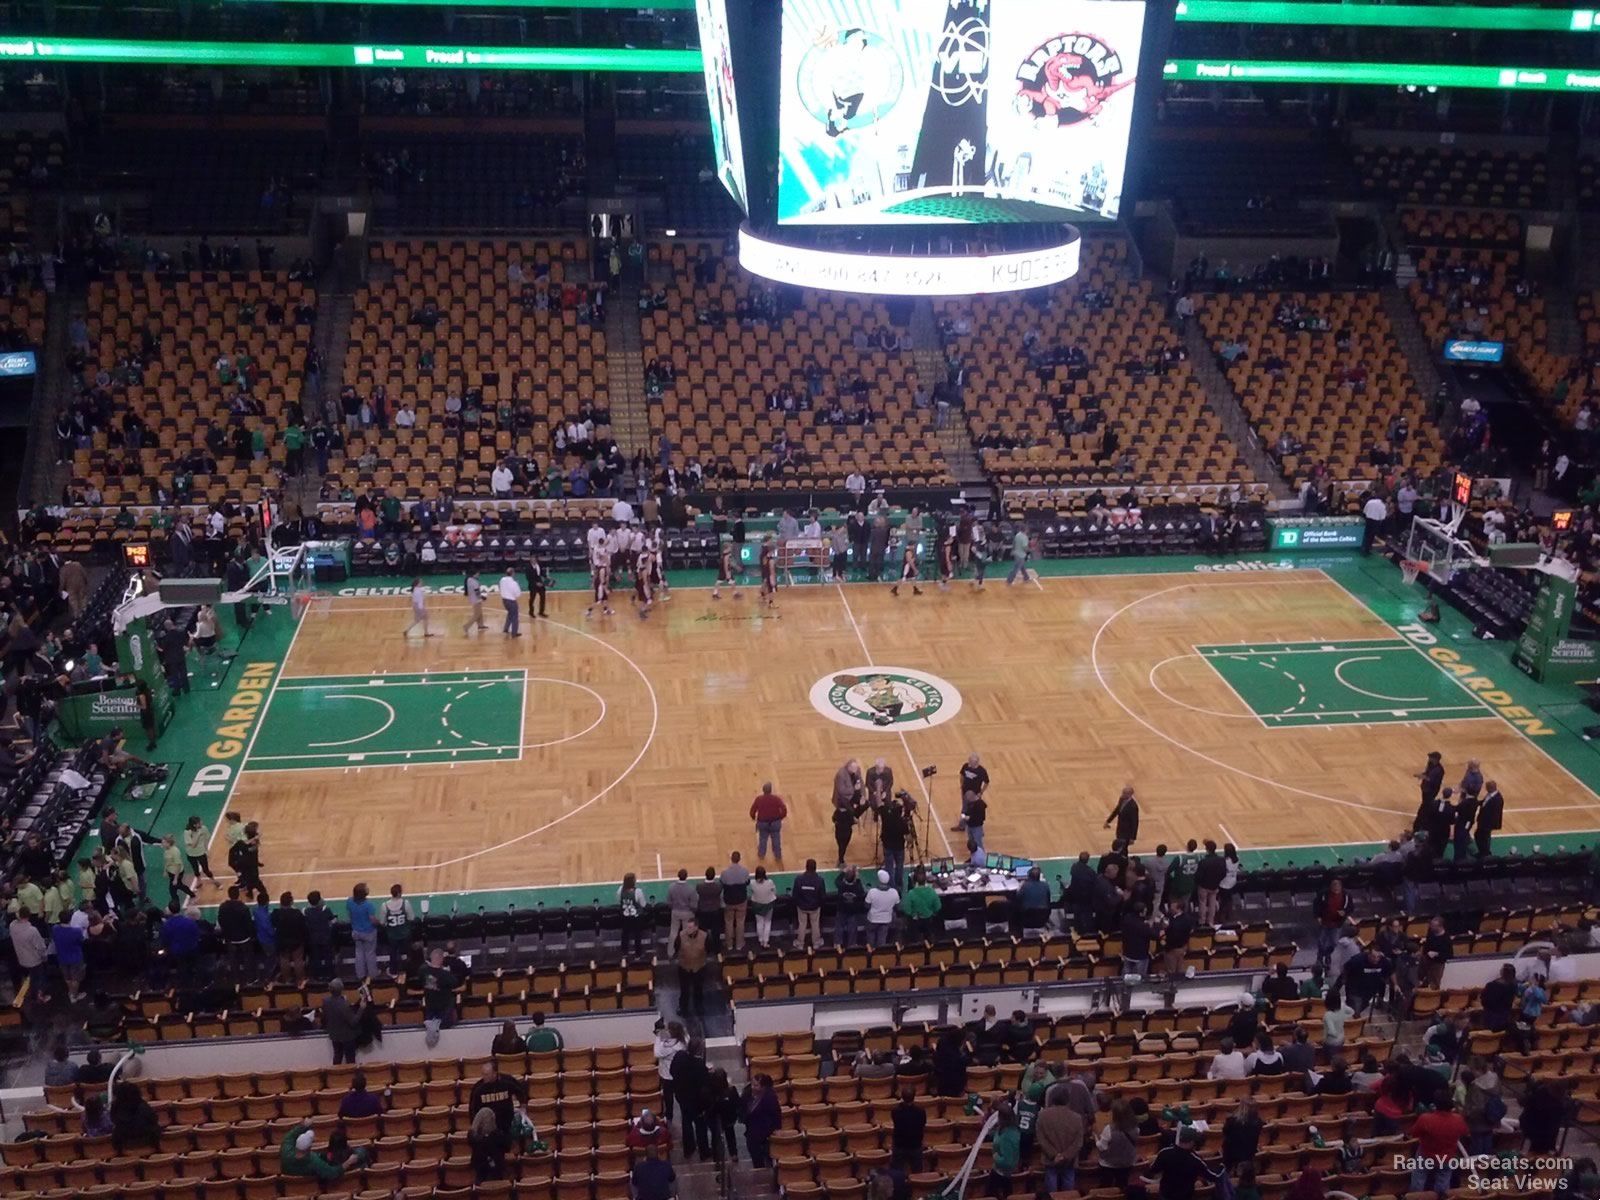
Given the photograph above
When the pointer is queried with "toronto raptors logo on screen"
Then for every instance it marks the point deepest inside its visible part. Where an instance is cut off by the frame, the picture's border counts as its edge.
(1068, 79)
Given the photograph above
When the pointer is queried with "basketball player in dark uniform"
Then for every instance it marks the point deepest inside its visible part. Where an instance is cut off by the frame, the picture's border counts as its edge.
(643, 571)
(947, 558)
(538, 585)
(909, 571)
(769, 570)
(730, 571)
(655, 544)
(600, 576)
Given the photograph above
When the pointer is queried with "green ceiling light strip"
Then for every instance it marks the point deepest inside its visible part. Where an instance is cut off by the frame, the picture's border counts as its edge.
(288, 54)
(1534, 79)
(1405, 16)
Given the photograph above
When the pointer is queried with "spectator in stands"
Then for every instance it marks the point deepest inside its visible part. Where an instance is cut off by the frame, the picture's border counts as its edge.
(1332, 911)
(1137, 937)
(29, 946)
(652, 1177)
(760, 1113)
(1033, 901)
(1179, 1169)
(499, 1095)
(708, 909)
(296, 1157)
(882, 902)
(1544, 1113)
(922, 905)
(692, 1080)
(950, 1062)
(180, 939)
(438, 985)
(397, 926)
(490, 1145)
(692, 956)
(681, 902)
(358, 1102)
(1241, 1134)
(342, 1021)
(1438, 1134)
(289, 932)
(645, 1130)
(735, 901)
(363, 931)
(1265, 1059)
(852, 907)
(319, 921)
(1394, 1103)
(133, 1121)
(1227, 1062)
(1117, 1146)
(60, 1070)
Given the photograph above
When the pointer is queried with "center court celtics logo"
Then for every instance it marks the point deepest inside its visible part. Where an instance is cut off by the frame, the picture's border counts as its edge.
(890, 698)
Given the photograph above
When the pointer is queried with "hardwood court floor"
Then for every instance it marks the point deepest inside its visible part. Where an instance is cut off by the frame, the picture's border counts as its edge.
(643, 742)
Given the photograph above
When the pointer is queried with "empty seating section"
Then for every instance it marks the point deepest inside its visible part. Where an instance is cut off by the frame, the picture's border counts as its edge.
(1460, 227)
(221, 1133)
(479, 182)
(1016, 417)
(25, 157)
(510, 994)
(1470, 178)
(281, 91)
(716, 410)
(545, 363)
(22, 319)
(976, 962)
(214, 181)
(1298, 380)
(672, 166)
(1500, 601)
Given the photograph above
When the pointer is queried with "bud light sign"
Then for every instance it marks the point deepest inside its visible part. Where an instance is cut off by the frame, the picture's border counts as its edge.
(17, 362)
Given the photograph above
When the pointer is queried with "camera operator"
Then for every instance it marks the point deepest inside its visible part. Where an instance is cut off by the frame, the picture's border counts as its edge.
(895, 815)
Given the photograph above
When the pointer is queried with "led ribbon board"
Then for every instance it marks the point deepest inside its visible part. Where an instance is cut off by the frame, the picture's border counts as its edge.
(906, 274)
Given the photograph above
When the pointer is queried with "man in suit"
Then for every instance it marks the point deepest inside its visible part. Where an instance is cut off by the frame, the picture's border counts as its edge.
(1491, 812)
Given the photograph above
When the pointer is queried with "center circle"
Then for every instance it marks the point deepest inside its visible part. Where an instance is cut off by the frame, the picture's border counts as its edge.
(892, 699)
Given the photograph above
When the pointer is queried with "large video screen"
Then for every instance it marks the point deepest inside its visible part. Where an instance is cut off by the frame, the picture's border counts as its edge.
(902, 111)
(726, 144)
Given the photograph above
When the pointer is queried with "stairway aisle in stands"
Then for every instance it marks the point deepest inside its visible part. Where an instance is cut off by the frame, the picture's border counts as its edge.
(1411, 339)
(630, 407)
(331, 337)
(954, 440)
(1563, 335)
(1230, 412)
(45, 479)
(1587, 274)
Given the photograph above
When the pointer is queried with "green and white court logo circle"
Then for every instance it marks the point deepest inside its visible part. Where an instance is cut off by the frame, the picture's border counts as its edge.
(889, 698)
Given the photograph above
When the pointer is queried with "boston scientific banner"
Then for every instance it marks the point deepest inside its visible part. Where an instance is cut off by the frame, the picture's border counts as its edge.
(906, 111)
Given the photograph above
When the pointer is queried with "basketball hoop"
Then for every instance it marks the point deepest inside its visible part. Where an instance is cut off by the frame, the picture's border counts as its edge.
(1410, 568)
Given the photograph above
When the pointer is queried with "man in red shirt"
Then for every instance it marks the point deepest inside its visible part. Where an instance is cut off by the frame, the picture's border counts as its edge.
(768, 811)
(1439, 1136)
(646, 1130)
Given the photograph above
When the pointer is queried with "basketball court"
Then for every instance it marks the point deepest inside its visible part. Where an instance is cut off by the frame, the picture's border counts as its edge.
(1269, 707)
